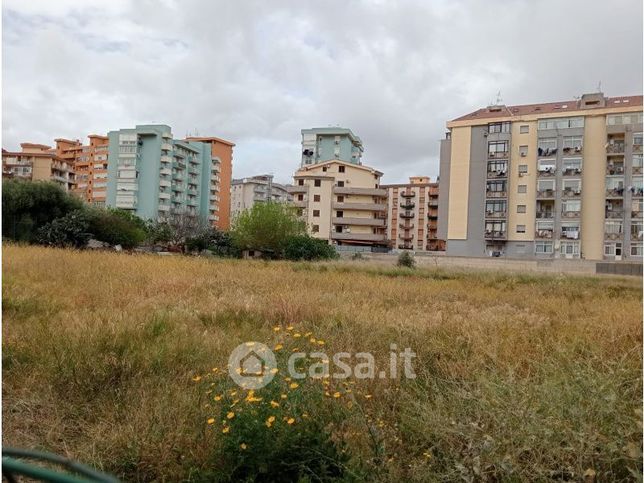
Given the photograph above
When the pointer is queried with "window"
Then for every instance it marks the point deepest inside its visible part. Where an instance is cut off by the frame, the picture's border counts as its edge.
(622, 119)
(324, 169)
(637, 139)
(523, 169)
(497, 149)
(546, 185)
(521, 208)
(520, 228)
(316, 213)
(571, 186)
(637, 160)
(496, 186)
(573, 143)
(637, 230)
(340, 169)
(316, 229)
(613, 249)
(542, 247)
(523, 151)
(613, 227)
(547, 145)
(636, 250)
(561, 123)
(497, 167)
(571, 206)
(300, 182)
(495, 127)
(614, 183)
(316, 197)
(340, 199)
(495, 228)
(300, 197)
(340, 184)
(569, 248)
(524, 129)
(317, 182)
(339, 214)
(571, 165)
(546, 166)
(495, 207)
(522, 188)
(338, 229)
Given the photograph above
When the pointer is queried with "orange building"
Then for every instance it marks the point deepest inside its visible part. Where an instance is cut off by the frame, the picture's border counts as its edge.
(220, 180)
(90, 165)
(38, 162)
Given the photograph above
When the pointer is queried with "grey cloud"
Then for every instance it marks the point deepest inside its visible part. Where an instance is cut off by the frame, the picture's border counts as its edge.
(257, 72)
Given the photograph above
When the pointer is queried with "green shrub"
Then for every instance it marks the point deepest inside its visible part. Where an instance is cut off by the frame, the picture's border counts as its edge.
(216, 241)
(406, 259)
(116, 227)
(357, 256)
(304, 247)
(71, 230)
(28, 206)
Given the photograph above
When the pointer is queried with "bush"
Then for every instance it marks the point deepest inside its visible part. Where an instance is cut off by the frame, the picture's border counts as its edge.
(406, 259)
(357, 256)
(71, 230)
(116, 227)
(28, 206)
(304, 247)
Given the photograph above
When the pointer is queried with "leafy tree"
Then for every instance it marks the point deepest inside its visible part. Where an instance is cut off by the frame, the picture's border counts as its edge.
(116, 227)
(267, 227)
(28, 206)
(177, 228)
(218, 242)
(305, 247)
(71, 230)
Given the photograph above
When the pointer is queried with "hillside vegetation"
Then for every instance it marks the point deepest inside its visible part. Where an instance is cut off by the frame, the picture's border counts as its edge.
(119, 361)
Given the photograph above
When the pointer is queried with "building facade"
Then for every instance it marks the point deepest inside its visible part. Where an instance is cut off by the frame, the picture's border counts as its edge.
(90, 166)
(220, 175)
(412, 215)
(154, 175)
(325, 143)
(38, 162)
(342, 202)
(553, 180)
(245, 192)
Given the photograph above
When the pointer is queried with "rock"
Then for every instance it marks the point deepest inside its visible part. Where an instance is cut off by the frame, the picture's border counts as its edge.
(94, 244)
(118, 248)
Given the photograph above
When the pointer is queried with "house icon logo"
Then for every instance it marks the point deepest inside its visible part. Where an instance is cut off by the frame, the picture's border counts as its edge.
(251, 365)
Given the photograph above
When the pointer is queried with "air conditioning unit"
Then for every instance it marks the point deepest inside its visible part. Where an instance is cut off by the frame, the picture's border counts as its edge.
(523, 155)
(521, 174)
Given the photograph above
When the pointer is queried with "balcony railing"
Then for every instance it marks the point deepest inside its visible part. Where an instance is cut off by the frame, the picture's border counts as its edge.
(406, 236)
(615, 148)
(407, 194)
(546, 214)
(345, 190)
(493, 234)
(495, 214)
(407, 205)
(358, 236)
(360, 206)
(571, 214)
(615, 193)
(496, 194)
(498, 155)
(571, 171)
(547, 234)
(637, 170)
(406, 226)
(619, 214)
(432, 214)
(637, 214)
(358, 221)
(433, 203)
(546, 193)
(547, 152)
(571, 234)
(407, 215)
(637, 148)
(573, 150)
(571, 193)
(546, 173)
(637, 192)
(615, 169)
(499, 173)
(637, 235)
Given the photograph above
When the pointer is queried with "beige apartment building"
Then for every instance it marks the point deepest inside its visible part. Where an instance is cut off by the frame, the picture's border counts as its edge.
(90, 166)
(38, 162)
(412, 215)
(342, 202)
(551, 180)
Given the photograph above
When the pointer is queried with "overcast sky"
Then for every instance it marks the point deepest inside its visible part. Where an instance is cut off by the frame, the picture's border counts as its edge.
(257, 72)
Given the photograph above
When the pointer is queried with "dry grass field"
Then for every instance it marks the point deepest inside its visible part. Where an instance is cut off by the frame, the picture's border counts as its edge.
(116, 360)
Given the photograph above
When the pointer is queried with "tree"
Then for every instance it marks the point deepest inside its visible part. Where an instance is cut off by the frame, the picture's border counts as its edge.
(27, 206)
(406, 259)
(116, 227)
(267, 227)
(71, 230)
(305, 247)
(177, 228)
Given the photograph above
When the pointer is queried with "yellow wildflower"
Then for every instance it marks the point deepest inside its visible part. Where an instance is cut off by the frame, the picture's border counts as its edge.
(275, 404)
(297, 334)
(274, 370)
(196, 378)
(278, 347)
(243, 446)
(230, 415)
(225, 430)
(290, 421)
(211, 420)
(308, 334)
(336, 395)
(294, 385)
(283, 396)
(290, 327)
(276, 329)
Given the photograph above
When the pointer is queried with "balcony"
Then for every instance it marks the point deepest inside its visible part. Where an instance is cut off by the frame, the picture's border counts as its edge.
(615, 214)
(407, 216)
(164, 207)
(165, 171)
(406, 236)
(360, 206)
(495, 214)
(571, 193)
(433, 203)
(192, 201)
(407, 194)
(545, 214)
(546, 172)
(299, 203)
(571, 234)
(499, 173)
(574, 150)
(498, 155)
(407, 205)
(177, 177)
(495, 235)
(615, 148)
(406, 226)
(496, 194)
(615, 193)
(615, 168)
(544, 234)
(637, 148)
(637, 192)
(637, 234)
(298, 189)
(367, 237)
(613, 235)
(547, 193)
(343, 190)
(571, 171)
(358, 221)
(546, 152)
(637, 170)
(637, 214)
(166, 159)
(164, 196)
(570, 214)
(166, 147)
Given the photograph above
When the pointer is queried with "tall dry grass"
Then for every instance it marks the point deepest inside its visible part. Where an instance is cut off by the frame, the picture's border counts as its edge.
(518, 377)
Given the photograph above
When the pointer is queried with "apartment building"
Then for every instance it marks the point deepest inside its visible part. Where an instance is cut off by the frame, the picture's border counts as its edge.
(245, 192)
(412, 215)
(551, 180)
(90, 166)
(155, 175)
(325, 143)
(38, 162)
(342, 202)
(221, 173)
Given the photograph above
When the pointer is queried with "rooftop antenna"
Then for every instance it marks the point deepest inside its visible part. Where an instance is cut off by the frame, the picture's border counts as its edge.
(599, 86)
(498, 98)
